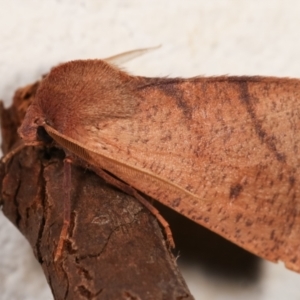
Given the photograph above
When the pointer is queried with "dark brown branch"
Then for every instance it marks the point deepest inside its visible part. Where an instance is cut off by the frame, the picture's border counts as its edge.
(115, 248)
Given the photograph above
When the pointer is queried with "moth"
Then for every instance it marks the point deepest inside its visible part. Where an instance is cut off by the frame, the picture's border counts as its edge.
(222, 151)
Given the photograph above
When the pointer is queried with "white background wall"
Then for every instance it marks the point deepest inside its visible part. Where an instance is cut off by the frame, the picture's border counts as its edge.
(197, 37)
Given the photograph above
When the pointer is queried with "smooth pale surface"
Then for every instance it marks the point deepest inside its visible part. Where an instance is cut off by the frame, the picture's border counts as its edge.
(197, 37)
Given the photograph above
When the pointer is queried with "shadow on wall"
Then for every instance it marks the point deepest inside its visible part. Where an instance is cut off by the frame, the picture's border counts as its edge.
(210, 252)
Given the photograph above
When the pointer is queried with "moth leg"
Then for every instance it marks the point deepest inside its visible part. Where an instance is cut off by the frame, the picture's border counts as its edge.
(67, 208)
(16, 149)
(158, 216)
(133, 192)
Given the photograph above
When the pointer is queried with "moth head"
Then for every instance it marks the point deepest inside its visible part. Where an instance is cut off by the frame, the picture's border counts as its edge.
(32, 130)
(77, 94)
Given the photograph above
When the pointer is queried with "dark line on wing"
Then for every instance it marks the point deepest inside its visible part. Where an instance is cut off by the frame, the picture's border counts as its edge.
(169, 86)
(177, 94)
(262, 134)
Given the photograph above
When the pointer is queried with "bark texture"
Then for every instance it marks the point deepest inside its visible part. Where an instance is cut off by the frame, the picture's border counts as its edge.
(115, 248)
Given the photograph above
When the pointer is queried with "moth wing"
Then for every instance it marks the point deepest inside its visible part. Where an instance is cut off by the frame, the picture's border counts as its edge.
(243, 186)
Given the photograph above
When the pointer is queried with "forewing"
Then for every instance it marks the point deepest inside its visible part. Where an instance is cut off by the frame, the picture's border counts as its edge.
(221, 151)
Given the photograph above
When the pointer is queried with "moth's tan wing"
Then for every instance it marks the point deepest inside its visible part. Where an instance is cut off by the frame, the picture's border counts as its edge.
(221, 151)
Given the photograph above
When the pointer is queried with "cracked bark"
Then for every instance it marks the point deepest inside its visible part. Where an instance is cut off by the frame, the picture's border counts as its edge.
(115, 248)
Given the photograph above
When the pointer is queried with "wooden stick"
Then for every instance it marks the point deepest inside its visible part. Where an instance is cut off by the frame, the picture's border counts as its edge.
(115, 248)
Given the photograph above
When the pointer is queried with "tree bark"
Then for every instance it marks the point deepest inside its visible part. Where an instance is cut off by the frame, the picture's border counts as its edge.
(115, 248)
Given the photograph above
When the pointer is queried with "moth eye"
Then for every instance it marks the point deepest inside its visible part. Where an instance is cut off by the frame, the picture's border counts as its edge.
(39, 121)
(43, 136)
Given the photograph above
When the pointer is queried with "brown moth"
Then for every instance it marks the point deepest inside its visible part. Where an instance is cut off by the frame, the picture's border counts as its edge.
(222, 151)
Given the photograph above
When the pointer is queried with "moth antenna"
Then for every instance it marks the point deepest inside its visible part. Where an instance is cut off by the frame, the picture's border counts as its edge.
(109, 179)
(124, 57)
(89, 155)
